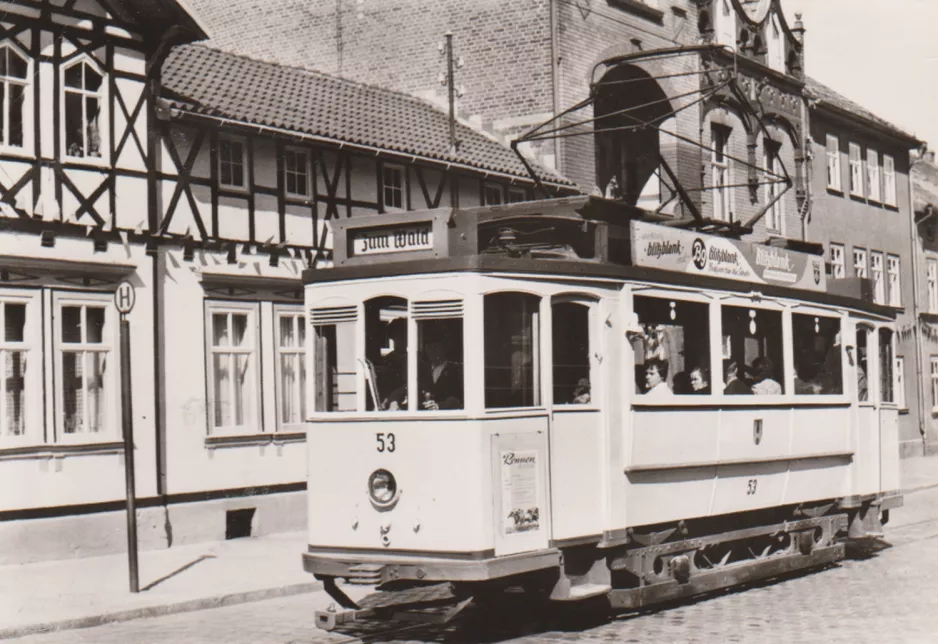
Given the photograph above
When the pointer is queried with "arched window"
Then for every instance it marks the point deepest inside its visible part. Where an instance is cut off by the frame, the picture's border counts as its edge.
(83, 103)
(14, 81)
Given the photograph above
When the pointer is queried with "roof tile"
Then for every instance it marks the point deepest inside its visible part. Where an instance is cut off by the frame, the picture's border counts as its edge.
(207, 81)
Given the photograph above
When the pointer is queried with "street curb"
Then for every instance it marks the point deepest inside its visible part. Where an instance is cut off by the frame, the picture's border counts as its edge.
(919, 488)
(160, 610)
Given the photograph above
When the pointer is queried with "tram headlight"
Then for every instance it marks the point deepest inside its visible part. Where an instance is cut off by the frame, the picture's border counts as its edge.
(382, 488)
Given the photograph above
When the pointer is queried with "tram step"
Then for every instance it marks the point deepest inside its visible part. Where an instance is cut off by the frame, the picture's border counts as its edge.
(583, 591)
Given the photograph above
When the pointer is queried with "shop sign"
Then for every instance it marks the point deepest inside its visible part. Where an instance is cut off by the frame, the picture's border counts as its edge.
(688, 251)
(400, 239)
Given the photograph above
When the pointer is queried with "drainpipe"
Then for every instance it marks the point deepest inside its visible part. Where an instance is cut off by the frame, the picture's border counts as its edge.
(555, 79)
(916, 313)
(808, 167)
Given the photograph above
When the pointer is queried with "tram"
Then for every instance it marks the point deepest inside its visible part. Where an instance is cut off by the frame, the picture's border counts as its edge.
(574, 398)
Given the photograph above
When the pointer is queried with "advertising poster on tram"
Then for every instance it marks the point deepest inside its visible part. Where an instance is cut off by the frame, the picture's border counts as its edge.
(688, 251)
(520, 479)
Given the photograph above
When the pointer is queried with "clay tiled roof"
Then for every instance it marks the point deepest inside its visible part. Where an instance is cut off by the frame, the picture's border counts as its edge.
(201, 80)
(830, 97)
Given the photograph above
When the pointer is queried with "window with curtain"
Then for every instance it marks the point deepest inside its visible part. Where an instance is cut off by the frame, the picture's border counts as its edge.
(291, 365)
(82, 86)
(85, 350)
(232, 368)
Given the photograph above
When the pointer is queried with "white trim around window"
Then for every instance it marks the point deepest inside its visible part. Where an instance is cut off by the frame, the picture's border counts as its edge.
(16, 100)
(87, 362)
(856, 169)
(833, 163)
(297, 177)
(934, 384)
(873, 176)
(493, 194)
(233, 163)
(899, 382)
(232, 367)
(21, 369)
(84, 111)
(290, 366)
(860, 267)
(838, 269)
(393, 187)
(889, 180)
(893, 280)
(879, 277)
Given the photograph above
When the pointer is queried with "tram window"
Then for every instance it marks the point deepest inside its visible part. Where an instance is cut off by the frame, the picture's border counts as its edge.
(752, 342)
(571, 351)
(386, 353)
(886, 365)
(817, 350)
(673, 350)
(440, 374)
(863, 387)
(334, 368)
(512, 356)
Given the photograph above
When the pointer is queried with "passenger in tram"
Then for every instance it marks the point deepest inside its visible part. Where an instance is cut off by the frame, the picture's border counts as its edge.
(581, 395)
(764, 384)
(656, 376)
(441, 380)
(734, 386)
(700, 381)
(392, 370)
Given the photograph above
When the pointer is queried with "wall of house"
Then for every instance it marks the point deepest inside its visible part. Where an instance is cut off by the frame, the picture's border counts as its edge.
(859, 222)
(925, 180)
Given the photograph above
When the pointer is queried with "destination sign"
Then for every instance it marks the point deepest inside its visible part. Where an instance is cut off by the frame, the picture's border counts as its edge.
(688, 251)
(378, 241)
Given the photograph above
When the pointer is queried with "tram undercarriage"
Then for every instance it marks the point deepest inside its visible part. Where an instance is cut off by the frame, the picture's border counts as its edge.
(655, 565)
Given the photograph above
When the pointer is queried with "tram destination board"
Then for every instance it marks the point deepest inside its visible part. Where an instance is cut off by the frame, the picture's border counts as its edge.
(391, 239)
(700, 254)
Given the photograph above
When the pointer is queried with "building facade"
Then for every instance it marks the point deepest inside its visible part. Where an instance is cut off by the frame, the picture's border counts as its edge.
(925, 312)
(208, 181)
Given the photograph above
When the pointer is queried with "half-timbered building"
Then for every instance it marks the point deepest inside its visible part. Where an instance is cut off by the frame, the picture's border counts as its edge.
(208, 181)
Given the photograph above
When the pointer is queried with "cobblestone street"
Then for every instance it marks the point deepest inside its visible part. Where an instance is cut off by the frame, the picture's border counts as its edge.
(891, 597)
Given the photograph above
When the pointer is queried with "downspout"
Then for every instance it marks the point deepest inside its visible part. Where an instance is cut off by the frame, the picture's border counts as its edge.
(808, 171)
(555, 79)
(916, 313)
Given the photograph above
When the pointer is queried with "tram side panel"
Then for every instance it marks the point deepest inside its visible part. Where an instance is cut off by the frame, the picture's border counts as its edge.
(445, 483)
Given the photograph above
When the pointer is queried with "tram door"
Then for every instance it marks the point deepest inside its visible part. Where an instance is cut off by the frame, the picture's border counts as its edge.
(888, 413)
(877, 416)
(576, 429)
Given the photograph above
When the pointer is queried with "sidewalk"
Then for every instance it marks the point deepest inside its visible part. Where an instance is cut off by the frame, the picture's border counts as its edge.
(918, 473)
(78, 593)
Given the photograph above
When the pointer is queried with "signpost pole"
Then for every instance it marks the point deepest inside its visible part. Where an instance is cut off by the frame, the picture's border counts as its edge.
(124, 299)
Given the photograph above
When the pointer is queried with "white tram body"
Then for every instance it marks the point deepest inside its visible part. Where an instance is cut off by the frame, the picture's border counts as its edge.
(552, 468)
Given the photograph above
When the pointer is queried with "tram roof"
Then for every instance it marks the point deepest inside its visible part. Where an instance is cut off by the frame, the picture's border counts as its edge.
(585, 237)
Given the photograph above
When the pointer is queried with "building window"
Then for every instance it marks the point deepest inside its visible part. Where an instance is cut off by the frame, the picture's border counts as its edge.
(900, 382)
(856, 170)
(724, 26)
(296, 172)
(873, 182)
(838, 270)
(232, 368)
(85, 343)
(492, 194)
(291, 365)
(774, 217)
(14, 83)
(776, 47)
(720, 174)
(934, 384)
(889, 180)
(892, 271)
(876, 269)
(231, 166)
(83, 104)
(859, 262)
(833, 162)
(20, 365)
(517, 195)
(931, 276)
(393, 177)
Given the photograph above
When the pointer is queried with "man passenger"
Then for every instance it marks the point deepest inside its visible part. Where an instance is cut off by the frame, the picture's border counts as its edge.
(734, 386)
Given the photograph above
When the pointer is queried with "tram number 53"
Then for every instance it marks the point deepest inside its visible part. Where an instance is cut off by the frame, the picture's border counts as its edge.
(751, 486)
(385, 442)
